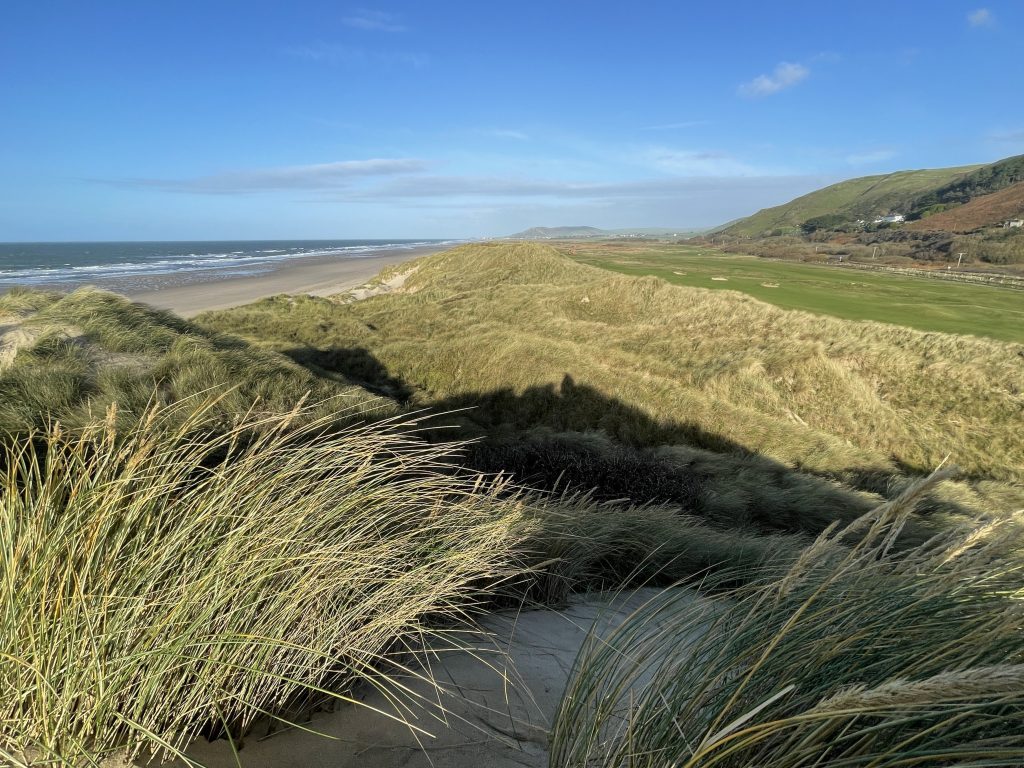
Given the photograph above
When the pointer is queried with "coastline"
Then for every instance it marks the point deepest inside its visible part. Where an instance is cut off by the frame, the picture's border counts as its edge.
(215, 289)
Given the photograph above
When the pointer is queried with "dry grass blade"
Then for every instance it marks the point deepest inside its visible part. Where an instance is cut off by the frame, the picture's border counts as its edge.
(175, 577)
(853, 655)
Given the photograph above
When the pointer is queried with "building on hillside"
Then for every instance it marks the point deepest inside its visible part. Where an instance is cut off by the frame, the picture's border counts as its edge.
(1013, 223)
(892, 218)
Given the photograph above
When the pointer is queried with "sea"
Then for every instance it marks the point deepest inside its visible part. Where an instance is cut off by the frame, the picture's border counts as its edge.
(153, 263)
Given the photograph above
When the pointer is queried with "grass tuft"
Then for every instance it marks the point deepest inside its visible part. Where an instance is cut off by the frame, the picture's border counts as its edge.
(853, 655)
(174, 578)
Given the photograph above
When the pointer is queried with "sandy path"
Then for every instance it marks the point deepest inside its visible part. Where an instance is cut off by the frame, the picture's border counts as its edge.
(500, 706)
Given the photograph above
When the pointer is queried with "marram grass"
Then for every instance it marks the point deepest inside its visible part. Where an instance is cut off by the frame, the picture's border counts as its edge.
(854, 655)
(173, 577)
(75, 354)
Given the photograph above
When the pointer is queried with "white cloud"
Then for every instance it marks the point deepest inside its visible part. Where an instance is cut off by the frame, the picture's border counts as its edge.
(870, 157)
(980, 17)
(785, 75)
(320, 176)
(376, 21)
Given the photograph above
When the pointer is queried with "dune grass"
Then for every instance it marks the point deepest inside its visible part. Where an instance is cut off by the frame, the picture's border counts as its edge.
(213, 550)
(172, 578)
(854, 655)
(83, 351)
(572, 544)
(533, 343)
(177, 578)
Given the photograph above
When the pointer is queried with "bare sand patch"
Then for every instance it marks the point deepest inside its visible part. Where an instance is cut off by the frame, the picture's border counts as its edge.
(392, 284)
(13, 337)
(500, 699)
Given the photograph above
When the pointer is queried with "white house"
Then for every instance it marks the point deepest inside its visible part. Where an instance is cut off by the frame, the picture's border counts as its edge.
(1014, 223)
(892, 218)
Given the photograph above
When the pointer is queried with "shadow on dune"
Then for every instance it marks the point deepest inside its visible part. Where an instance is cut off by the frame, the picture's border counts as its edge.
(572, 437)
(357, 365)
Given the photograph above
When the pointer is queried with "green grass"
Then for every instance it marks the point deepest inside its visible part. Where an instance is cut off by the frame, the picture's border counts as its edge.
(88, 349)
(171, 579)
(924, 304)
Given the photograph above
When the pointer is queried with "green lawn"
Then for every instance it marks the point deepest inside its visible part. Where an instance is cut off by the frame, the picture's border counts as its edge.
(928, 305)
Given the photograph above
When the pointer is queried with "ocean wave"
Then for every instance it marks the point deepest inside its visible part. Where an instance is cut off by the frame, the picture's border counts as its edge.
(241, 262)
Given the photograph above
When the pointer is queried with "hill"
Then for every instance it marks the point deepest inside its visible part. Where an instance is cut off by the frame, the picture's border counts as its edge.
(918, 195)
(69, 357)
(549, 233)
(984, 211)
(982, 181)
(861, 198)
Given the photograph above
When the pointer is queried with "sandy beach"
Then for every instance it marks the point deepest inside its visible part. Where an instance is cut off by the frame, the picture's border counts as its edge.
(316, 275)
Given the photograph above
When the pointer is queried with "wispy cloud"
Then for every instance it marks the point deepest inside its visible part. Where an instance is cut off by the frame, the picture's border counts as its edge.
(675, 126)
(321, 176)
(688, 162)
(785, 75)
(1014, 136)
(376, 21)
(870, 157)
(508, 133)
(981, 17)
(340, 54)
(432, 186)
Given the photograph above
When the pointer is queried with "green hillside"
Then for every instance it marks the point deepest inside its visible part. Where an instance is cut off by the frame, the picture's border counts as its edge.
(860, 198)
(547, 233)
(916, 194)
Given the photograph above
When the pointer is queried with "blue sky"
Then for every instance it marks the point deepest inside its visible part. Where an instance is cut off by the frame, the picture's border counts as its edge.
(188, 120)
